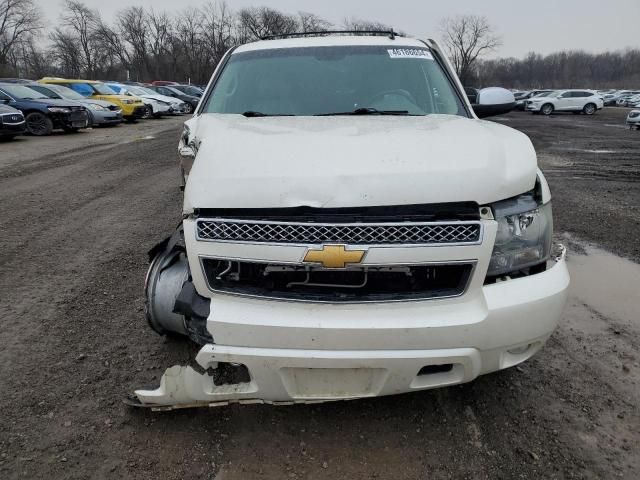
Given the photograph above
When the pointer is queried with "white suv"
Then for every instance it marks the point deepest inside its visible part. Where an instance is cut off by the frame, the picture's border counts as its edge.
(351, 229)
(576, 101)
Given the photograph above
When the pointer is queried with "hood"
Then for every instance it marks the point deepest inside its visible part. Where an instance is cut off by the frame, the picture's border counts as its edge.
(102, 103)
(53, 102)
(344, 161)
(7, 110)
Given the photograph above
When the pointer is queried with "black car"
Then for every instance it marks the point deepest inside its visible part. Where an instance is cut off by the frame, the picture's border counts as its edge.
(170, 91)
(11, 122)
(43, 114)
(189, 90)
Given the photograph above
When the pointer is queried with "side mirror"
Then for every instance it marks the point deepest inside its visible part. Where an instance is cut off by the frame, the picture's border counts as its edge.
(493, 101)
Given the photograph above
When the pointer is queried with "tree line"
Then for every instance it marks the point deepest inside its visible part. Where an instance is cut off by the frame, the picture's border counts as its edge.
(143, 44)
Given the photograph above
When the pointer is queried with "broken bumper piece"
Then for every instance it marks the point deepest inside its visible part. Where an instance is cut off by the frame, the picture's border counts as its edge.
(385, 350)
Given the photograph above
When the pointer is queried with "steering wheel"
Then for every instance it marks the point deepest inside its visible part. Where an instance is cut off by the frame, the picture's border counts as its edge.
(398, 91)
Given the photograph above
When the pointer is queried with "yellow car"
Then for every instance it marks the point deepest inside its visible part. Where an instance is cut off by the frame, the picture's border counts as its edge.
(132, 107)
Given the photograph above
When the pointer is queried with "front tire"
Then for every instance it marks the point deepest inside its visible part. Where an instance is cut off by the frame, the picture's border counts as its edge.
(589, 109)
(39, 124)
(188, 109)
(546, 109)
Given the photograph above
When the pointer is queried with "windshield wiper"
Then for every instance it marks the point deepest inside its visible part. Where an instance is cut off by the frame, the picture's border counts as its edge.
(252, 114)
(366, 111)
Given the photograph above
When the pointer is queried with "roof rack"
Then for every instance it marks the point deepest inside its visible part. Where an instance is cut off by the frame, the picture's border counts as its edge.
(387, 33)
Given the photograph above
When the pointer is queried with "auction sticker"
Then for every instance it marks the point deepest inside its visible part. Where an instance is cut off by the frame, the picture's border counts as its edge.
(409, 53)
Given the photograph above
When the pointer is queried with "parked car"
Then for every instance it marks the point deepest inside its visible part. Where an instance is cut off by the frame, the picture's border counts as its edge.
(177, 105)
(132, 108)
(633, 119)
(43, 114)
(164, 82)
(629, 100)
(11, 122)
(100, 113)
(169, 91)
(339, 243)
(577, 101)
(522, 98)
(157, 104)
(189, 90)
(15, 80)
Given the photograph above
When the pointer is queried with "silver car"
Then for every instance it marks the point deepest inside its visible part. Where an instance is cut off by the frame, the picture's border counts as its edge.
(101, 113)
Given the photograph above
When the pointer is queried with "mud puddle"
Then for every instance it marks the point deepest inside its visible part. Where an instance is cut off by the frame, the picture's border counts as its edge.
(607, 283)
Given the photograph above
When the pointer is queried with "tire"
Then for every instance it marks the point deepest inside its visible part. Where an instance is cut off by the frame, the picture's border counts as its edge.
(546, 109)
(39, 124)
(590, 109)
(148, 113)
(188, 109)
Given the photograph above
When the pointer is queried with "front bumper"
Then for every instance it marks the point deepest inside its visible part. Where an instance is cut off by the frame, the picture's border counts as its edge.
(633, 121)
(533, 107)
(110, 117)
(307, 353)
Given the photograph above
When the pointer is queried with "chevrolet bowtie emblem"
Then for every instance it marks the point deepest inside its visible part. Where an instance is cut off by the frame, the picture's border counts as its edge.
(334, 256)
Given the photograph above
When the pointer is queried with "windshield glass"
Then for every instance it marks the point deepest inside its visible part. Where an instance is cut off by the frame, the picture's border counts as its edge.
(136, 90)
(63, 92)
(25, 93)
(102, 89)
(544, 94)
(147, 91)
(326, 80)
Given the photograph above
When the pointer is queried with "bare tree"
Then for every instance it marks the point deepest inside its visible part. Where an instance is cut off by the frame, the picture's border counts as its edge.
(358, 25)
(82, 22)
(467, 37)
(19, 20)
(263, 21)
(310, 22)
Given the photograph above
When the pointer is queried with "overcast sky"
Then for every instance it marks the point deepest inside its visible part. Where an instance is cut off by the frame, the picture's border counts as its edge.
(543, 26)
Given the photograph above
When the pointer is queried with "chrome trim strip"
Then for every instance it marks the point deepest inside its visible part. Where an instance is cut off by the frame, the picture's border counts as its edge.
(473, 263)
(333, 242)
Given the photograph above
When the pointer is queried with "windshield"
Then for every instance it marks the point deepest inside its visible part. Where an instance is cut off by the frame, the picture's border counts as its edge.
(102, 89)
(544, 94)
(188, 89)
(24, 93)
(137, 90)
(63, 92)
(147, 91)
(334, 80)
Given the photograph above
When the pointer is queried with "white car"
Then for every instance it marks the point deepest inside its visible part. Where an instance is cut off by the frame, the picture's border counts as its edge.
(351, 229)
(633, 119)
(585, 101)
(158, 106)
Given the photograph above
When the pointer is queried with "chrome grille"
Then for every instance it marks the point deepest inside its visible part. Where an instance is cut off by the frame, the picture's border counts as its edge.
(417, 233)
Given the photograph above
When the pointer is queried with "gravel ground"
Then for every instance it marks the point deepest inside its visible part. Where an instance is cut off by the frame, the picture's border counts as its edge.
(78, 213)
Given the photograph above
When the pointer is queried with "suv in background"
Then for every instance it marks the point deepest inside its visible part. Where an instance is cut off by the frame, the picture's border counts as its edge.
(43, 114)
(576, 101)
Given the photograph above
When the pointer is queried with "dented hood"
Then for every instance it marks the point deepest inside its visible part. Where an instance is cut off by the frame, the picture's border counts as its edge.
(348, 161)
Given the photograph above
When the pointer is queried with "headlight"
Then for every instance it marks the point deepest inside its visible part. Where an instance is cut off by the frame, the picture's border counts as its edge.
(524, 234)
(58, 109)
(128, 102)
(95, 106)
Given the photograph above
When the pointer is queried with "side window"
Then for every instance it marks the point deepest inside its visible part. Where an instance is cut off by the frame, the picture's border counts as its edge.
(580, 94)
(566, 95)
(82, 88)
(164, 91)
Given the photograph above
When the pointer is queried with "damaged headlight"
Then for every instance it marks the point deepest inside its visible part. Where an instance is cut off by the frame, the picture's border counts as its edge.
(524, 234)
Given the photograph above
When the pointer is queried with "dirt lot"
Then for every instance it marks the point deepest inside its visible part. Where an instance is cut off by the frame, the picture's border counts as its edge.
(77, 216)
